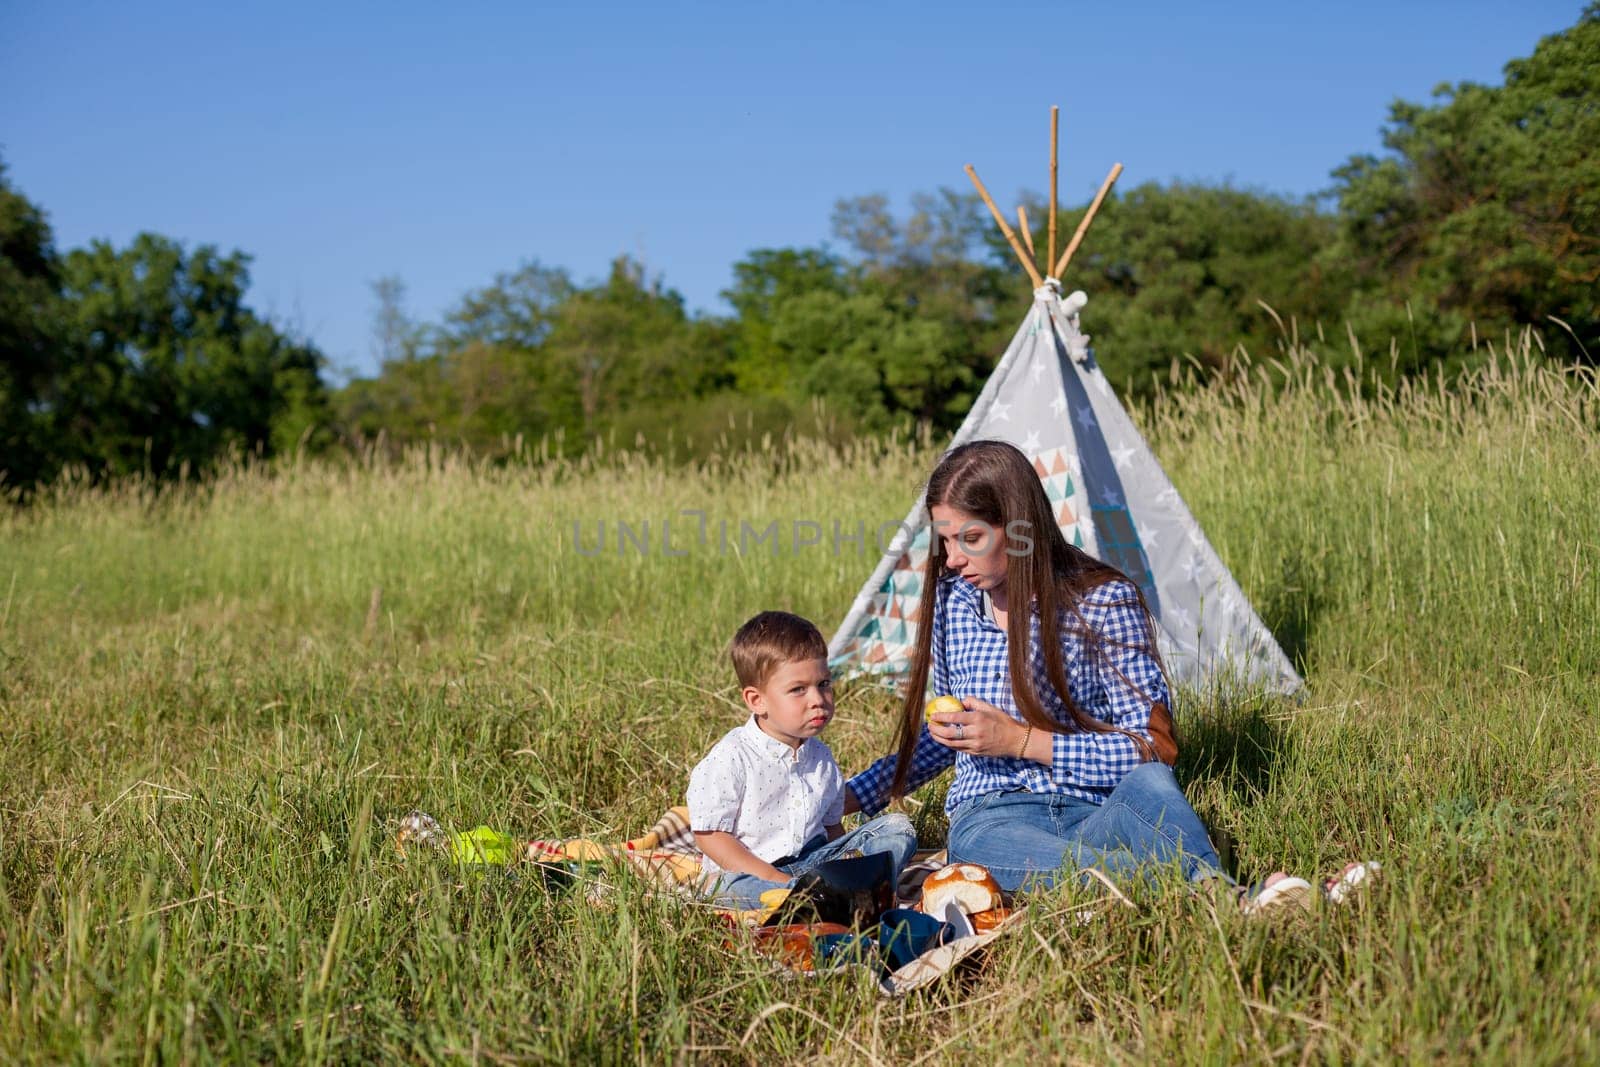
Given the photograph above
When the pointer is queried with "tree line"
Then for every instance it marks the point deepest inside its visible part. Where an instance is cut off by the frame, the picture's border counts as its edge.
(1481, 214)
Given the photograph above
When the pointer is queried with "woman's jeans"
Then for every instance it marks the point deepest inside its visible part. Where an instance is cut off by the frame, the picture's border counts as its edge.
(892, 834)
(1041, 838)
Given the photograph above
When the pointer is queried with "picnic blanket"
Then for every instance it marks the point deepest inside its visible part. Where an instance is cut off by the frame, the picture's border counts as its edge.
(666, 859)
(667, 855)
(664, 856)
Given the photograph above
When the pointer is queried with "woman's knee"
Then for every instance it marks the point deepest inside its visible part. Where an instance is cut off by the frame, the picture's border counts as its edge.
(1152, 777)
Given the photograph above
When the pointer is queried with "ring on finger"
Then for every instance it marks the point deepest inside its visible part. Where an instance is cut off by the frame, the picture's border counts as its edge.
(961, 732)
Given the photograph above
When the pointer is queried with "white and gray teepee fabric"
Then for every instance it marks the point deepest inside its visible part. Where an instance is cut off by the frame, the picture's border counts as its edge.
(1112, 499)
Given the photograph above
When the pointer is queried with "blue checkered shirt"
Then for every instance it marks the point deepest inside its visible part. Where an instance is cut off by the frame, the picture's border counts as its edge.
(1119, 686)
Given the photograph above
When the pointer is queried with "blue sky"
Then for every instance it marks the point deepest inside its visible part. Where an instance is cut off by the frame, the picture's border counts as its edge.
(445, 143)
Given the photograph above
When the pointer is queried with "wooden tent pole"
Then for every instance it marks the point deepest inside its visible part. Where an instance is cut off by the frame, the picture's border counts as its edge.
(1026, 231)
(1005, 228)
(1055, 128)
(1088, 217)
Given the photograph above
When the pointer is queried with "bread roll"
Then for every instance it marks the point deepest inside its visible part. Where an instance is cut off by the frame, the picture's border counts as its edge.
(971, 887)
(985, 921)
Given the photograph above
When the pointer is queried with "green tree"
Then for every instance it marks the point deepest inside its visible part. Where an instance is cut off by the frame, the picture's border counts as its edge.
(1487, 206)
(901, 328)
(405, 401)
(764, 283)
(31, 328)
(480, 378)
(533, 355)
(169, 366)
(1180, 273)
(517, 310)
(868, 359)
(501, 375)
(955, 311)
(629, 342)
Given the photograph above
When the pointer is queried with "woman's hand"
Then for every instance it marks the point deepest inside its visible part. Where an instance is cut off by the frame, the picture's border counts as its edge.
(981, 730)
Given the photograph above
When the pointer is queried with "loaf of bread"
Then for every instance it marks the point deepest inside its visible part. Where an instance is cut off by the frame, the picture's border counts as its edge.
(985, 921)
(971, 887)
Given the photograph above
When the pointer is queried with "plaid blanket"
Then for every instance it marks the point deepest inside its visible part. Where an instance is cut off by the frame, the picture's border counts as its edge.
(664, 855)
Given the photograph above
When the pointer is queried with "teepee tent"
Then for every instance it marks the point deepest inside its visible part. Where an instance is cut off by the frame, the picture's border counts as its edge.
(1112, 499)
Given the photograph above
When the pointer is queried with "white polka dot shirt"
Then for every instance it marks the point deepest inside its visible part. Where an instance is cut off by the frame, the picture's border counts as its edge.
(772, 798)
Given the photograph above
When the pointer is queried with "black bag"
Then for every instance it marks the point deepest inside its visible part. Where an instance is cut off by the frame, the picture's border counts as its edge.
(852, 891)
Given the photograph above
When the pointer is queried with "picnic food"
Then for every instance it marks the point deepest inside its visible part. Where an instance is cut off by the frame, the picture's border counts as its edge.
(969, 885)
(985, 921)
(946, 705)
(794, 944)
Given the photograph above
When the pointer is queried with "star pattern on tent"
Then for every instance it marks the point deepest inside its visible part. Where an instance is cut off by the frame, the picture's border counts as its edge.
(999, 411)
(1030, 444)
(1121, 456)
(1111, 497)
(1058, 406)
(1192, 567)
(1147, 536)
(1085, 413)
(1180, 615)
(1168, 497)
(1038, 373)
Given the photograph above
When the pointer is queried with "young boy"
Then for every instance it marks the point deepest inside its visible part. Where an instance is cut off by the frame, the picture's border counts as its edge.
(767, 802)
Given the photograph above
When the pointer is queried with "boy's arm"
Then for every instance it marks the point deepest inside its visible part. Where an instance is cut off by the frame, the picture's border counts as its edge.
(838, 800)
(729, 853)
(716, 793)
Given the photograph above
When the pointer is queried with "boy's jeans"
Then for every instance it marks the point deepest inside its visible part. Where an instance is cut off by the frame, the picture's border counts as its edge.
(1041, 838)
(887, 833)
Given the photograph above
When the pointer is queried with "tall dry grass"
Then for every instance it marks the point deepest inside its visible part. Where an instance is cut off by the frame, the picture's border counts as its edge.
(213, 698)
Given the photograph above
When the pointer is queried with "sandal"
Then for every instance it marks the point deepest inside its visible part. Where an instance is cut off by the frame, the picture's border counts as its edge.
(1342, 886)
(1276, 894)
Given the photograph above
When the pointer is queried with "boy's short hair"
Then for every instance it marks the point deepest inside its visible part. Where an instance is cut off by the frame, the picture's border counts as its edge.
(770, 640)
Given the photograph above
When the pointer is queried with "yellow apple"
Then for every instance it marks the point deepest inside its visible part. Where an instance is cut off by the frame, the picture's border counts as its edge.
(946, 705)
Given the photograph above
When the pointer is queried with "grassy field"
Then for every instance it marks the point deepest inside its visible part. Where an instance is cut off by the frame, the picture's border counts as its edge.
(215, 702)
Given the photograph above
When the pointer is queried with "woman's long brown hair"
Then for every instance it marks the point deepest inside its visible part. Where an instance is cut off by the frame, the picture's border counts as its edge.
(994, 482)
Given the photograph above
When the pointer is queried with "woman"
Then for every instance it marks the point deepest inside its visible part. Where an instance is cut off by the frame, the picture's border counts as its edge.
(1063, 742)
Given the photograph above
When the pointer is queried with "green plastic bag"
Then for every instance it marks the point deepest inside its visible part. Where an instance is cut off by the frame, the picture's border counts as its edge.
(481, 845)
